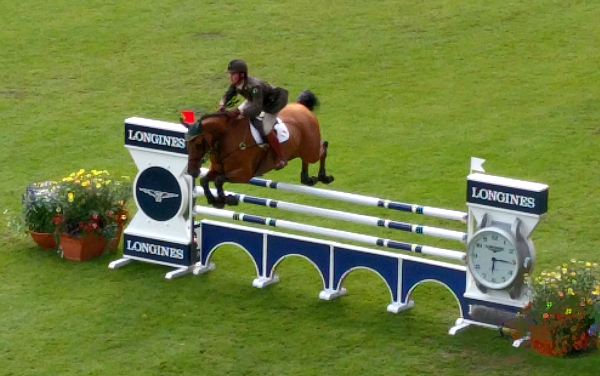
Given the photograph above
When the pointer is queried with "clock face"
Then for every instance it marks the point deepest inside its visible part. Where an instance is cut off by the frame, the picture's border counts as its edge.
(493, 259)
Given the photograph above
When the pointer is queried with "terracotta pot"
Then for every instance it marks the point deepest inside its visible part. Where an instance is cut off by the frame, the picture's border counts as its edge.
(44, 240)
(113, 244)
(82, 248)
(540, 339)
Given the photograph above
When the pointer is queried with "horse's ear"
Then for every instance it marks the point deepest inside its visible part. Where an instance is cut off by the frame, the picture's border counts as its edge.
(194, 130)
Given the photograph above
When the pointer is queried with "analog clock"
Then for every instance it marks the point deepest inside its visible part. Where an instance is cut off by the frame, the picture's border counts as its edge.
(493, 258)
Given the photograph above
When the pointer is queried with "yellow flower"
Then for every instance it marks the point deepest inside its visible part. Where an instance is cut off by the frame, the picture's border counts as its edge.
(596, 290)
(574, 261)
(96, 172)
(98, 185)
(81, 171)
(69, 178)
(568, 311)
(71, 196)
(85, 183)
(564, 270)
(588, 264)
(570, 291)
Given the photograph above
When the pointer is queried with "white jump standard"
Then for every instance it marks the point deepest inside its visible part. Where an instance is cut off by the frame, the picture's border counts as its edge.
(502, 214)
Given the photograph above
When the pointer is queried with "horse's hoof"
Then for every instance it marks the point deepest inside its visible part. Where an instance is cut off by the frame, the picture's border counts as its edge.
(217, 203)
(310, 181)
(326, 179)
(231, 200)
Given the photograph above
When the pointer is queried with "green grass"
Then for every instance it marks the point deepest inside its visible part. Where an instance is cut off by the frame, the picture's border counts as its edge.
(410, 90)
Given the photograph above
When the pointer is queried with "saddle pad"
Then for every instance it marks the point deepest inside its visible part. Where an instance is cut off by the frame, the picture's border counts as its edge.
(280, 128)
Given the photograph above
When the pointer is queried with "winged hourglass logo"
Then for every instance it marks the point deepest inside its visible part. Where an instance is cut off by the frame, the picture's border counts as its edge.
(158, 195)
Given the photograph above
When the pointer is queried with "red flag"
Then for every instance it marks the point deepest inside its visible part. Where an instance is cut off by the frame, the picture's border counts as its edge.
(188, 116)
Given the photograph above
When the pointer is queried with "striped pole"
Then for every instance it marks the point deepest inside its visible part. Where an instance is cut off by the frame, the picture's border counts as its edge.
(358, 199)
(349, 217)
(423, 249)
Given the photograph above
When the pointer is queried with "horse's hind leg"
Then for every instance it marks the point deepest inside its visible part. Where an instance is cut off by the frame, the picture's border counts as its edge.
(304, 178)
(323, 177)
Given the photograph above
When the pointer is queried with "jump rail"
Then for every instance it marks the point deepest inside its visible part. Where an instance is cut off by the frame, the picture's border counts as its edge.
(358, 199)
(367, 239)
(346, 216)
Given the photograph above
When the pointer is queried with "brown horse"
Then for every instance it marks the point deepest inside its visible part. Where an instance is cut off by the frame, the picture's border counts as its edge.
(235, 157)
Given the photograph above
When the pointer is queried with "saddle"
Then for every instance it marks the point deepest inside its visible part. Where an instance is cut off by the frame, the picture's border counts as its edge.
(280, 130)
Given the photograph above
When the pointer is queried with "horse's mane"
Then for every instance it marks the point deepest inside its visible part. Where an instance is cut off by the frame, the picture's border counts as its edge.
(213, 114)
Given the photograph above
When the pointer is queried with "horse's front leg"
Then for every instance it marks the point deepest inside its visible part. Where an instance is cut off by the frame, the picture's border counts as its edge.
(204, 181)
(226, 199)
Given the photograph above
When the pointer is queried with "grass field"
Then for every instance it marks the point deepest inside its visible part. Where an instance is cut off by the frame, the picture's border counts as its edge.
(410, 90)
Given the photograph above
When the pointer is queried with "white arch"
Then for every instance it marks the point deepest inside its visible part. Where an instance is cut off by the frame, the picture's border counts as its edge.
(279, 260)
(343, 276)
(238, 245)
(408, 294)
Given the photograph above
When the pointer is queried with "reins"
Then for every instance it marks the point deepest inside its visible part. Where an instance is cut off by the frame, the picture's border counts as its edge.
(242, 146)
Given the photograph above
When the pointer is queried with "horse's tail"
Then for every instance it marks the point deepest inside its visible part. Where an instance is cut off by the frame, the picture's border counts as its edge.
(308, 99)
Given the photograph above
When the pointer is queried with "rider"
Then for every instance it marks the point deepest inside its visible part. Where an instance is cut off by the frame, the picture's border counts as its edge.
(259, 96)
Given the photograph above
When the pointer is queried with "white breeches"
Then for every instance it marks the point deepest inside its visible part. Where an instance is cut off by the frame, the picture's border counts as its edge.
(269, 120)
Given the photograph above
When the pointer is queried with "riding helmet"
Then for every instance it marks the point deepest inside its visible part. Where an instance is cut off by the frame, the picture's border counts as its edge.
(237, 66)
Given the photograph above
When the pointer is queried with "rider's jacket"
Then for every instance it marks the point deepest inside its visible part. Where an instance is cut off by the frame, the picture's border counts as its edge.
(260, 96)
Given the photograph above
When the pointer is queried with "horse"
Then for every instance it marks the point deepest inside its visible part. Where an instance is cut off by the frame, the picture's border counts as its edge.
(236, 157)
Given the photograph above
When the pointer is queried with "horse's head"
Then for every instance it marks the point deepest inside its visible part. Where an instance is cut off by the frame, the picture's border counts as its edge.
(202, 135)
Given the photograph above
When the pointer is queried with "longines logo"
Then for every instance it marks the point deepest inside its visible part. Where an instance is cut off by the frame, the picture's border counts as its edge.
(154, 249)
(158, 193)
(158, 196)
(503, 197)
(156, 139)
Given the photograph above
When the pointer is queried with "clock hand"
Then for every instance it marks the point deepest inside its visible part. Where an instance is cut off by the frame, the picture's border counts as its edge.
(504, 261)
(493, 264)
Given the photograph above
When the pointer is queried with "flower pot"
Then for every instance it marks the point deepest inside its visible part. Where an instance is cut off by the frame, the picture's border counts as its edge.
(82, 248)
(44, 240)
(540, 339)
